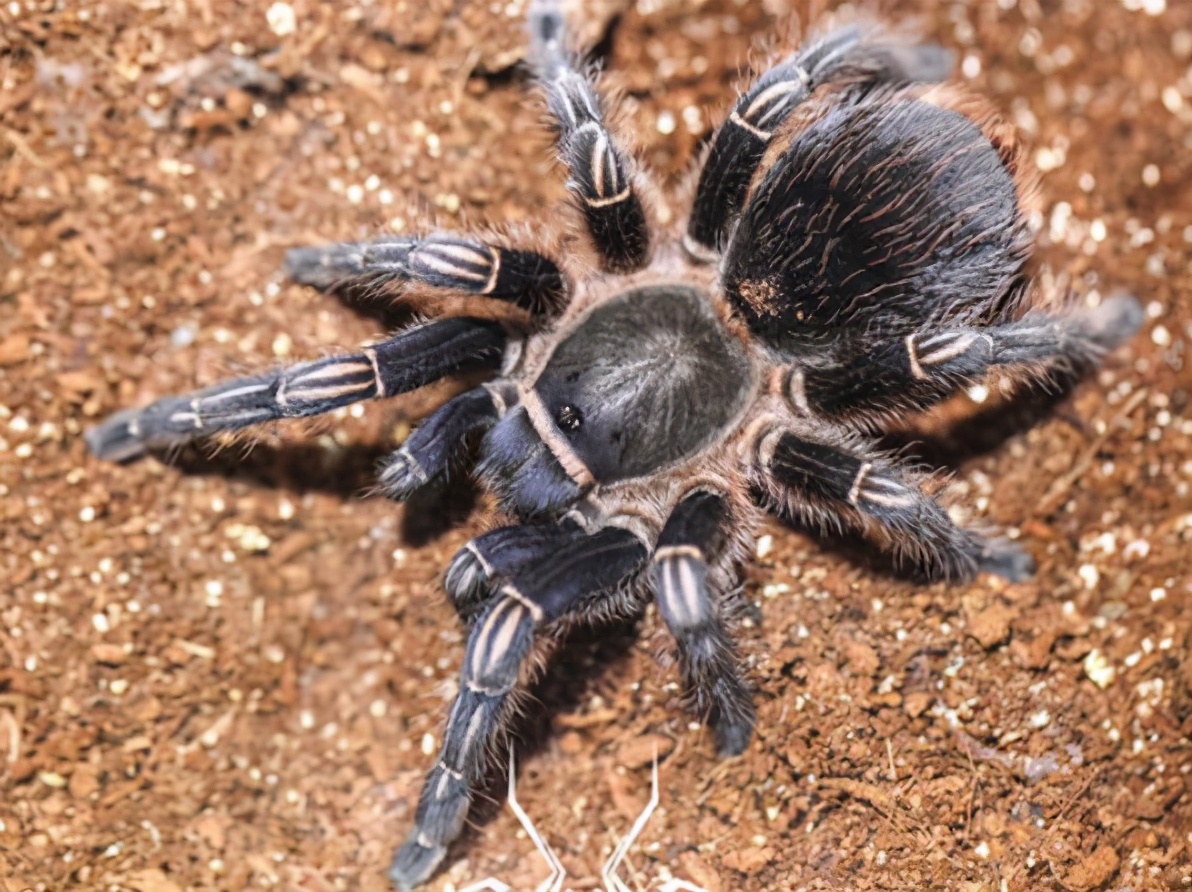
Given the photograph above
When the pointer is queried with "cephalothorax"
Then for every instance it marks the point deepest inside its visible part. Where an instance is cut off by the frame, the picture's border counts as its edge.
(856, 249)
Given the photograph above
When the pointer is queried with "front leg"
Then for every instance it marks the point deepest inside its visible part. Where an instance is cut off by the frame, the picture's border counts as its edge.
(410, 360)
(694, 534)
(429, 450)
(498, 648)
(456, 262)
(494, 557)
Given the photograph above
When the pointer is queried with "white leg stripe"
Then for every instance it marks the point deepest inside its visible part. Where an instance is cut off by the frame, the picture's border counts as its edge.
(337, 370)
(691, 592)
(763, 135)
(854, 492)
(496, 271)
(372, 358)
(232, 394)
(797, 390)
(774, 91)
(414, 466)
(913, 356)
(330, 393)
(698, 252)
(670, 551)
(599, 150)
(484, 565)
(903, 499)
(767, 445)
(535, 611)
(187, 417)
(606, 202)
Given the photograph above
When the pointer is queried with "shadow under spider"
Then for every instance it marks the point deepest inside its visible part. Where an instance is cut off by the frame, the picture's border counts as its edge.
(298, 467)
(347, 472)
(987, 430)
(352, 471)
(378, 303)
(949, 448)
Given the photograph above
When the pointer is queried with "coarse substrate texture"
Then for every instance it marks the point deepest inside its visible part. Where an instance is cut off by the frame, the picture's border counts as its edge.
(230, 672)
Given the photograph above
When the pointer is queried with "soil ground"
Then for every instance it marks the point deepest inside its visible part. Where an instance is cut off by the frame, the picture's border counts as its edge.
(230, 671)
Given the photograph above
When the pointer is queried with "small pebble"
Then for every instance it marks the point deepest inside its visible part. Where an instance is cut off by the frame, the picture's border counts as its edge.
(281, 18)
(183, 336)
(1099, 670)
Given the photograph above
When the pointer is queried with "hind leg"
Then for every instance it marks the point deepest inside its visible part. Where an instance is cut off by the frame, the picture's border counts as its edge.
(602, 172)
(498, 647)
(847, 486)
(930, 365)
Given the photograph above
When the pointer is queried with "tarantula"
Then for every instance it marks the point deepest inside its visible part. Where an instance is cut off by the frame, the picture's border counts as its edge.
(857, 249)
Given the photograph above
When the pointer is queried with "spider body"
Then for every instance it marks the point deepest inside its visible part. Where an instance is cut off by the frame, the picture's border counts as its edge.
(856, 249)
(647, 377)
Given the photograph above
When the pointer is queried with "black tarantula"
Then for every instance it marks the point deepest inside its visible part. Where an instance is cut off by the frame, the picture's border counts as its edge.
(857, 249)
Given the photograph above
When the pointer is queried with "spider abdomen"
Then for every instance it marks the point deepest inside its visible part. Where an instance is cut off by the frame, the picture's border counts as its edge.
(879, 216)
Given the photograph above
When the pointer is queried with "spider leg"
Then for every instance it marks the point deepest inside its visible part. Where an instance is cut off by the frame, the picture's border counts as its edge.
(428, 451)
(478, 567)
(407, 361)
(601, 171)
(462, 263)
(498, 647)
(844, 55)
(929, 366)
(849, 487)
(692, 536)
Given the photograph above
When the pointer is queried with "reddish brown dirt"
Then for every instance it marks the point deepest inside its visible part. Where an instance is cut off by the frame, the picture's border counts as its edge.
(226, 674)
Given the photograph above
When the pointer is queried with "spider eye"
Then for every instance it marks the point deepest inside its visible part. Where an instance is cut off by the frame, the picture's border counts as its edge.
(569, 419)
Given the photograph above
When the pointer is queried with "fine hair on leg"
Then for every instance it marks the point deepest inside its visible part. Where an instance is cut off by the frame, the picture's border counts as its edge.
(412, 359)
(849, 486)
(693, 535)
(465, 263)
(601, 171)
(498, 646)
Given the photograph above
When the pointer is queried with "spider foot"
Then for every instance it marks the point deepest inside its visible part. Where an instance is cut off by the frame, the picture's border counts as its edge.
(116, 438)
(326, 267)
(733, 735)
(1113, 322)
(414, 863)
(402, 475)
(1006, 559)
